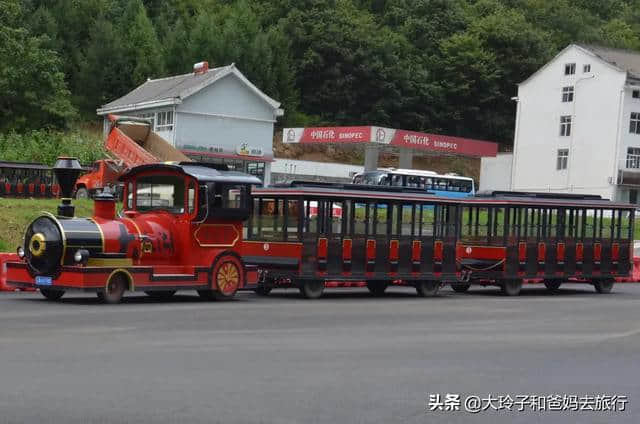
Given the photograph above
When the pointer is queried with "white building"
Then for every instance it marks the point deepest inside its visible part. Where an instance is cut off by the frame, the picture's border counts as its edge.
(215, 115)
(577, 127)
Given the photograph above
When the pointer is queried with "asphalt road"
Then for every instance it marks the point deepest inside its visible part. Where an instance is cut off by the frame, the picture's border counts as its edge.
(346, 358)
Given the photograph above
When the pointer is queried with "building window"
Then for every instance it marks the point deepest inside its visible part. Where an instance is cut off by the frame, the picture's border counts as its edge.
(150, 116)
(563, 159)
(633, 158)
(634, 126)
(567, 94)
(164, 121)
(565, 126)
(570, 69)
(635, 94)
(586, 68)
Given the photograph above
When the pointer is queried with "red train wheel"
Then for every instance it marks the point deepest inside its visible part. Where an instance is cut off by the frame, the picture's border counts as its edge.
(114, 289)
(228, 276)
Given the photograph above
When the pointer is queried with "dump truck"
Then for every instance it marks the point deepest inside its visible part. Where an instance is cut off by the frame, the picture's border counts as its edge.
(130, 142)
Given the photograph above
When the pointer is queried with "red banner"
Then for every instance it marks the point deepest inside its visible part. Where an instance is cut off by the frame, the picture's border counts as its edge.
(443, 143)
(336, 135)
(381, 136)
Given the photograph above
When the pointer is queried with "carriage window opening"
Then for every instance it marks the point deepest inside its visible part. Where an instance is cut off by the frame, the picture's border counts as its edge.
(607, 222)
(191, 197)
(553, 223)
(334, 217)
(498, 223)
(407, 220)
(381, 215)
(601, 224)
(532, 224)
(130, 196)
(451, 221)
(581, 224)
(514, 223)
(481, 222)
(625, 225)
(359, 219)
(160, 193)
(590, 220)
(293, 220)
(426, 218)
(267, 219)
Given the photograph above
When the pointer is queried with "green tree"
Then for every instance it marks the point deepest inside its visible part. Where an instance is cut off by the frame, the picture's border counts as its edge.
(234, 34)
(100, 73)
(141, 48)
(352, 70)
(33, 93)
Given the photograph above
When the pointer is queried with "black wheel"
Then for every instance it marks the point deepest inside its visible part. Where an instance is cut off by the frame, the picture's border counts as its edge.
(377, 288)
(603, 286)
(312, 289)
(552, 285)
(82, 193)
(263, 290)
(206, 294)
(460, 288)
(160, 294)
(52, 294)
(511, 287)
(115, 289)
(427, 288)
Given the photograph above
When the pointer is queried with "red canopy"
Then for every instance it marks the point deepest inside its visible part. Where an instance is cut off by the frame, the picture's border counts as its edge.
(382, 137)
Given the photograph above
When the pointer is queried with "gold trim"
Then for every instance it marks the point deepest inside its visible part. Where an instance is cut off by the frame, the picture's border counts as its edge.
(42, 244)
(271, 242)
(124, 218)
(132, 286)
(195, 235)
(101, 233)
(110, 262)
(64, 237)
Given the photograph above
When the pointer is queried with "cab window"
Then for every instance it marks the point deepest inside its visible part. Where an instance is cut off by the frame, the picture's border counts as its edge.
(160, 193)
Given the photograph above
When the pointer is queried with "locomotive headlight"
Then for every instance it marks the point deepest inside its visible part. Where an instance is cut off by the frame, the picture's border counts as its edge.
(20, 252)
(81, 256)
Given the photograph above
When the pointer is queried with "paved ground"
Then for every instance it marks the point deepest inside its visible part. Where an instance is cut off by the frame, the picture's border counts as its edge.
(347, 358)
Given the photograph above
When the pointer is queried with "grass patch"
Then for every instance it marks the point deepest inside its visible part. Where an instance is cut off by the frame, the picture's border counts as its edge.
(17, 214)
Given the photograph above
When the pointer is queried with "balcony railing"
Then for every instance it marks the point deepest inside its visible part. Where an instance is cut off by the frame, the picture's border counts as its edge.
(632, 162)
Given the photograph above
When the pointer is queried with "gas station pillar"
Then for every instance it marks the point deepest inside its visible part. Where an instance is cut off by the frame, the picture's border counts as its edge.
(371, 158)
(405, 159)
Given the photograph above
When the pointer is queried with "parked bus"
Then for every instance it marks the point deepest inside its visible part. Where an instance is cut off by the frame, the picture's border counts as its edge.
(447, 185)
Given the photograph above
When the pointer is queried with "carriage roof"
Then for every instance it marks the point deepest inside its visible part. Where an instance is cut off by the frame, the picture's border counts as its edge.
(364, 192)
(203, 172)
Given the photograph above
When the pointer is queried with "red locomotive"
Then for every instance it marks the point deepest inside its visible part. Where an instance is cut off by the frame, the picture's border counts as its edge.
(181, 228)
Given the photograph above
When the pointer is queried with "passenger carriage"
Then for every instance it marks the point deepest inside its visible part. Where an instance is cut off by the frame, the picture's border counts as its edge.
(180, 229)
(400, 236)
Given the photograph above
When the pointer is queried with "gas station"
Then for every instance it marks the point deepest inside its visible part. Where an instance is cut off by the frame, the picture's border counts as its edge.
(403, 143)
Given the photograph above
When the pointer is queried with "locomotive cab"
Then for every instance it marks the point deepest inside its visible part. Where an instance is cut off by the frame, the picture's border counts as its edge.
(209, 192)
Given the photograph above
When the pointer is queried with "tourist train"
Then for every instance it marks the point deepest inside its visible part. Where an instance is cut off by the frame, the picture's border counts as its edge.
(194, 226)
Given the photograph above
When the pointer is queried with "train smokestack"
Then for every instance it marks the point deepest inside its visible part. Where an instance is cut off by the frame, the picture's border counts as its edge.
(104, 205)
(66, 171)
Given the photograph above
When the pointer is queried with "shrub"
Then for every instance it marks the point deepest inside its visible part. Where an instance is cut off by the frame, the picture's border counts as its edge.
(44, 146)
